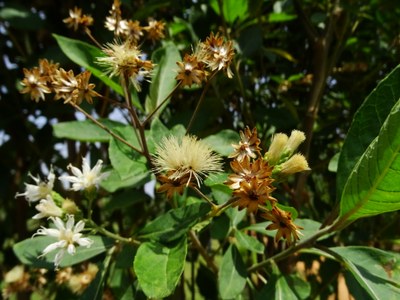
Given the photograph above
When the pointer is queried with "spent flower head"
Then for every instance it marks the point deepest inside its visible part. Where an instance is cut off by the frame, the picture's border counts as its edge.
(68, 235)
(191, 71)
(126, 61)
(86, 178)
(187, 158)
(40, 190)
(155, 30)
(78, 20)
(217, 53)
(35, 84)
(248, 145)
(283, 223)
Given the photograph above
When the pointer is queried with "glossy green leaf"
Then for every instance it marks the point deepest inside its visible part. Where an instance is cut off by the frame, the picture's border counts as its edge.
(28, 251)
(377, 271)
(124, 159)
(284, 287)
(249, 242)
(222, 141)
(114, 182)
(373, 185)
(85, 55)
(281, 17)
(84, 131)
(124, 199)
(232, 274)
(174, 223)
(163, 81)
(232, 9)
(366, 125)
(159, 267)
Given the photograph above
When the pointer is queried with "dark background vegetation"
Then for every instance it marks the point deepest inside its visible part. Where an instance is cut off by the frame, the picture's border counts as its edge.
(299, 64)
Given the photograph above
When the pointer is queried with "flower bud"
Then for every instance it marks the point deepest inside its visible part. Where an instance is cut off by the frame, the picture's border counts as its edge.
(276, 148)
(295, 139)
(297, 163)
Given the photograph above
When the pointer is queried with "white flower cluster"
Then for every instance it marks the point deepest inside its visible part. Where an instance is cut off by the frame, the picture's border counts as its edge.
(68, 233)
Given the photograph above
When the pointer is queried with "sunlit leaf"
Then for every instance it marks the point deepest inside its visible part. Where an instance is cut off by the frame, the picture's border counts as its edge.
(377, 271)
(284, 287)
(163, 81)
(232, 274)
(159, 267)
(373, 185)
(84, 131)
(222, 141)
(248, 242)
(366, 125)
(174, 223)
(28, 251)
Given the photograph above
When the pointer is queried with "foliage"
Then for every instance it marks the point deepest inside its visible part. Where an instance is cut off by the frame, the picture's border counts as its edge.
(160, 229)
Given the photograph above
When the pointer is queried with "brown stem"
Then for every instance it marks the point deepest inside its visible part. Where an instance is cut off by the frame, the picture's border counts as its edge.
(135, 119)
(160, 105)
(196, 110)
(105, 128)
(89, 34)
(197, 244)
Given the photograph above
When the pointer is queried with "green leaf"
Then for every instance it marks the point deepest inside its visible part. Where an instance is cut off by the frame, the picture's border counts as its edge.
(28, 251)
(159, 267)
(124, 199)
(163, 81)
(174, 223)
(222, 141)
(19, 17)
(281, 17)
(249, 242)
(85, 55)
(84, 131)
(373, 185)
(232, 274)
(284, 287)
(366, 125)
(124, 159)
(114, 182)
(377, 271)
(232, 9)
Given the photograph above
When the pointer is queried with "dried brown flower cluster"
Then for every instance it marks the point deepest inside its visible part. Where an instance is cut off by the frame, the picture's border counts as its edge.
(253, 177)
(77, 20)
(50, 78)
(131, 29)
(19, 280)
(215, 54)
(78, 281)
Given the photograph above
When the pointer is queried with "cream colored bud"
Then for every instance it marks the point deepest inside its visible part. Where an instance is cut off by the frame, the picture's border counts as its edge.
(297, 163)
(15, 274)
(279, 140)
(47, 208)
(70, 207)
(295, 139)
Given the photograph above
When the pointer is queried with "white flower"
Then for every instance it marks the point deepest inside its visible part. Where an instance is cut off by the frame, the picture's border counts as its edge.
(47, 208)
(86, 178)
(67, 234)
(39, 191)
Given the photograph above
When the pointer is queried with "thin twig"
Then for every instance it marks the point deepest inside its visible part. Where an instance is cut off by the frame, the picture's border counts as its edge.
(197, 244)
(89, 34)
(105, 128)
(148, 118)
(196, 110)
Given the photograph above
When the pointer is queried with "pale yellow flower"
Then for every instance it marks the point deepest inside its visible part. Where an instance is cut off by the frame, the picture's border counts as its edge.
(187, 156)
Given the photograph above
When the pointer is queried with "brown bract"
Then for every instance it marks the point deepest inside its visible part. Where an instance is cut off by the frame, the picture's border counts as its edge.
(217, 53)
(248, 145)
(78, 20)
(190, 71)
(282, 222)
(155, 30)
(253, 193)
(173, 186)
